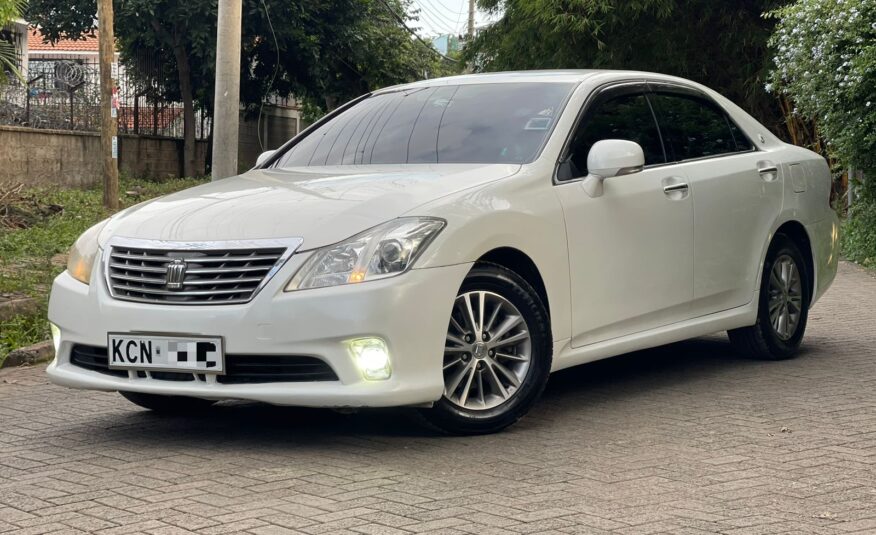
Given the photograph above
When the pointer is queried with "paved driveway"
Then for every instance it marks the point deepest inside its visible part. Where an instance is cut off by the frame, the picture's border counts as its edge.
(682, 439)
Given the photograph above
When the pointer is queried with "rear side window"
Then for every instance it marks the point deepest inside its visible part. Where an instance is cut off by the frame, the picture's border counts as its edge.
(693, 127)
(475, 123)
(627, 117)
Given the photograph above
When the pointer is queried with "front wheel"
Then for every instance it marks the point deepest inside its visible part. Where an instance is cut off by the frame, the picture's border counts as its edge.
(168, 404)
(783, 306)
(497, 355)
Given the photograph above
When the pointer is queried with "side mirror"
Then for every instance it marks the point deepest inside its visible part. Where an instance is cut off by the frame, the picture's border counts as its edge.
(263, 157)
(609, 158)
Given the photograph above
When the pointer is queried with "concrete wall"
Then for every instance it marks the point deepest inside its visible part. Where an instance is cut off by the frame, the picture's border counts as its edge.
(72, 159)
(278, 126)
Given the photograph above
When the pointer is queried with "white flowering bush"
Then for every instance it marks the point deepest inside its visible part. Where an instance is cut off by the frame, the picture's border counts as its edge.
(825, 62)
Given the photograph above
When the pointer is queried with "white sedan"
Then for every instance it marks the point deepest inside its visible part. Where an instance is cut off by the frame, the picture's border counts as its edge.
(447, 244)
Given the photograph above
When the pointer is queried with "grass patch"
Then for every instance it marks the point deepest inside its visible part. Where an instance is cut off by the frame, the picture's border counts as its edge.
(30, 258)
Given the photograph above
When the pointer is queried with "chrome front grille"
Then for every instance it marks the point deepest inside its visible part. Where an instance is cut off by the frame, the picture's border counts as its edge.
(203, 273)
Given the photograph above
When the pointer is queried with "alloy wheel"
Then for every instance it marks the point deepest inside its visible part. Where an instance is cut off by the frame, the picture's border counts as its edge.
(487, 353)
(785, 297)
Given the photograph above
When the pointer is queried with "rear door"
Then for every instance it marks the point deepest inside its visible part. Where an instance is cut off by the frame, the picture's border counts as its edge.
(736, 192)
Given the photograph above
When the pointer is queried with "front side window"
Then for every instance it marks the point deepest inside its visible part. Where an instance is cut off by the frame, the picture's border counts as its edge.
(693, 127)
(627, 117)
(471, 123)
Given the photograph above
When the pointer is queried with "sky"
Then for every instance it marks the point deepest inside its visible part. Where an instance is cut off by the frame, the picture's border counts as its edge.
(438, 17)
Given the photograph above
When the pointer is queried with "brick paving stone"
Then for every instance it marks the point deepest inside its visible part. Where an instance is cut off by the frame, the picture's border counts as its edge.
(683, 439)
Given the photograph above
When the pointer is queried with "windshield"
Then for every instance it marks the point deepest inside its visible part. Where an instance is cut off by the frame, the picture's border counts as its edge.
(479, 123)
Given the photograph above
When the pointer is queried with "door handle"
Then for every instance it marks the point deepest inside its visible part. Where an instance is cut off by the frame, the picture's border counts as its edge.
(767, 170)
(675, 187)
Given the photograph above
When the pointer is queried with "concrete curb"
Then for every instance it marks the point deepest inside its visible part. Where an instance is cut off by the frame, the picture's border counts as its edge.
(30, 355)
(14, 307)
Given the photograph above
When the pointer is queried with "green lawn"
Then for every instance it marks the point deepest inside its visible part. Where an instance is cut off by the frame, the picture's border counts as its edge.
(30, 258)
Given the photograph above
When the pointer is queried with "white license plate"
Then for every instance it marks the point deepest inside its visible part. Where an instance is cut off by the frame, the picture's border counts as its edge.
(201, 354)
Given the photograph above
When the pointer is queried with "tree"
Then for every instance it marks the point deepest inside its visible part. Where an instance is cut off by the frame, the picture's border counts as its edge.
(10, 10)
(825, 59)
(322, 51)
(720, 44)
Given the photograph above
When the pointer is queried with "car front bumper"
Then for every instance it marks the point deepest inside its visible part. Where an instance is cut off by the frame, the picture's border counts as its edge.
(409, 312)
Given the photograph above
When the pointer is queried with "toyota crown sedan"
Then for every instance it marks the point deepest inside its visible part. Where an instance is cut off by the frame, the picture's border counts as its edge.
(447, 244)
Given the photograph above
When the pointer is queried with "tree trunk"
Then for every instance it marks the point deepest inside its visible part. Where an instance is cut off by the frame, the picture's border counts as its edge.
(185, 88)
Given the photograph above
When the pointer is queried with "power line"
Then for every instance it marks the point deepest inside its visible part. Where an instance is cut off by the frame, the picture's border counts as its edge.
(435, 12)
(412, 32)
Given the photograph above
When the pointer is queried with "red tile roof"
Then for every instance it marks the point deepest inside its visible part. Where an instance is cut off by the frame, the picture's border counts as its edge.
(35, 43)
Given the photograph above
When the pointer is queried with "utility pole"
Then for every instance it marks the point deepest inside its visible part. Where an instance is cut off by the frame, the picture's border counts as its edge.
(226, 110)
(109, 127)
(471, 19)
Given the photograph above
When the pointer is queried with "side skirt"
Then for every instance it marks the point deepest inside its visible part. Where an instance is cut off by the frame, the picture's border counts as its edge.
(734, 318)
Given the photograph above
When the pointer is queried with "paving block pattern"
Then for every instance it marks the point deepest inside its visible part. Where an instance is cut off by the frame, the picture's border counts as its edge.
(684, 439)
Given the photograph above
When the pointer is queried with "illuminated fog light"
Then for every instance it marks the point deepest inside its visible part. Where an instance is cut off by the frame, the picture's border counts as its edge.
(372, 358)
(56, 337)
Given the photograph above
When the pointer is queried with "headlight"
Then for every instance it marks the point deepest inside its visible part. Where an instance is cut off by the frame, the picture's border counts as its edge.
(84, 251)
(383, 251)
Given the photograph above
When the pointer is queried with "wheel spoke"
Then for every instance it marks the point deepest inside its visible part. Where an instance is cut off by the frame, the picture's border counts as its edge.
(466, 390)
(454, 383)
(496, 381)
(489, 326)
(513, 339)
(521, 358)
(456, 340)
(459, 328)
(470, 316)
(507, 373)
(481, 297)
(452, 363)
(506, 326)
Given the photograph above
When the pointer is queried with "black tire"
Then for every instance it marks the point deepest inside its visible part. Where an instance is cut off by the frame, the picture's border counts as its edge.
(451, 418)
(168, 404)
(762, 340)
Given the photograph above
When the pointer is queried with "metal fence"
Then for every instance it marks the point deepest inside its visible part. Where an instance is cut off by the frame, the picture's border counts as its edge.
(64, 94)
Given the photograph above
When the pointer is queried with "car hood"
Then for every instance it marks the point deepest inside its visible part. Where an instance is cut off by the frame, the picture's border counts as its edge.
(322, 205)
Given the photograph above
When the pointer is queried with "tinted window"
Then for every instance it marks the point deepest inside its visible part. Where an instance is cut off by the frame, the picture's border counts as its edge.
(479, 123)
(626, 117)
(693, 127)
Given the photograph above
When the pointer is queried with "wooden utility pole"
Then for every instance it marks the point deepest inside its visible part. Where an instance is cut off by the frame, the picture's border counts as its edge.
(109, 127)
(471, 19)
(226, 101)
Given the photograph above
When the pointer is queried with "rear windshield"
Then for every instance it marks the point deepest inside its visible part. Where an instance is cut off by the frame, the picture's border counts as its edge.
(479, 123)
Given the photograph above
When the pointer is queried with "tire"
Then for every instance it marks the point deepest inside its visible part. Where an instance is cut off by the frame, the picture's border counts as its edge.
(168, 404)
(768, 339)
(491, 383)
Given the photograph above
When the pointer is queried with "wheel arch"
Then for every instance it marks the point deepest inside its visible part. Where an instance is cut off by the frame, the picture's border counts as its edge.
(520, 263)
(796, 232)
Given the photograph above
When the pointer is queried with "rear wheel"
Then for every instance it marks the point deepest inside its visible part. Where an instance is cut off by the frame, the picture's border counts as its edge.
(783, 305)
(168, 404)
(497, 355)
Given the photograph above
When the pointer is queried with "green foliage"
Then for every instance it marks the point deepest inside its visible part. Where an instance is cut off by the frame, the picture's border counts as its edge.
(9, 11)
(720, 44)
(326, 51)
(825, 60)
(31, 258)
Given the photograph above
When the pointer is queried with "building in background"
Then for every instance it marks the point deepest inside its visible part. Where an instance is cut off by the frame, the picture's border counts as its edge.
(447, 43)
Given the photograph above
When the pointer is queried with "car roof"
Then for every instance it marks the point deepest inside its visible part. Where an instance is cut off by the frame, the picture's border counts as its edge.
(556, 76)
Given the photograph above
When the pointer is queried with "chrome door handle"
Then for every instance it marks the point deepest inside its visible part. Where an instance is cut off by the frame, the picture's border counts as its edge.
(675, 187)
(768, 171)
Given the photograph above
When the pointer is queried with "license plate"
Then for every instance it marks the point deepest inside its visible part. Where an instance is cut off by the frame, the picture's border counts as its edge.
(201, 354)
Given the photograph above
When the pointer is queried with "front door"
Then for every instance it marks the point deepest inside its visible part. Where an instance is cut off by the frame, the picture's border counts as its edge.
(631, 249)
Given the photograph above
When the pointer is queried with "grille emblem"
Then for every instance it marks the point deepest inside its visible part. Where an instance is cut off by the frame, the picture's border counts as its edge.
(176, 274)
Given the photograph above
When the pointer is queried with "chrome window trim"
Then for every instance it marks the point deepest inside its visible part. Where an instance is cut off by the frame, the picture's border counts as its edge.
(648, 83)
(291, 246)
